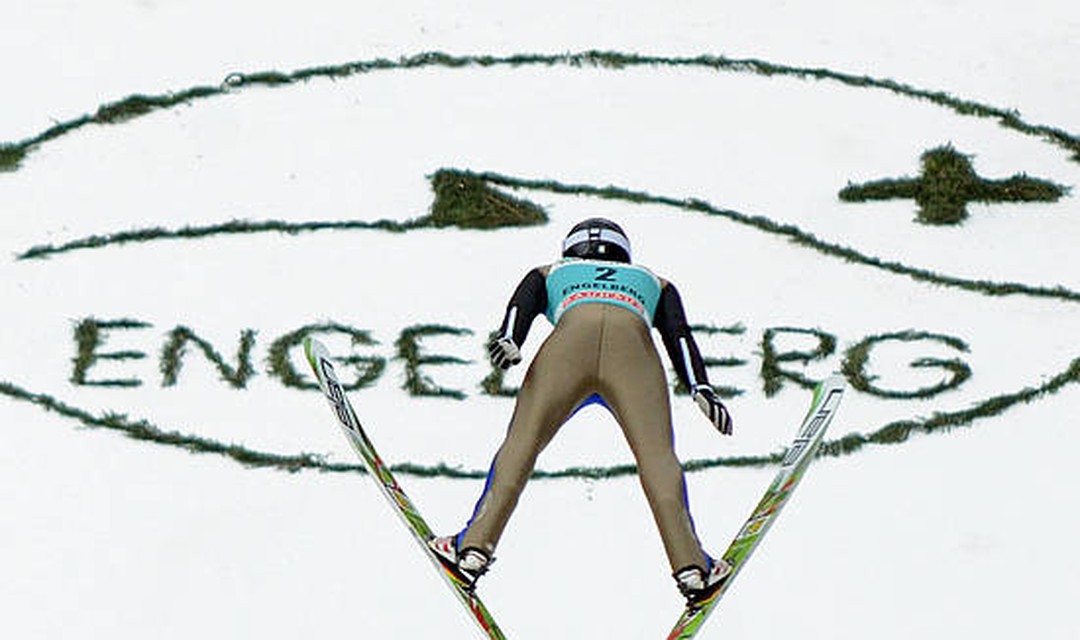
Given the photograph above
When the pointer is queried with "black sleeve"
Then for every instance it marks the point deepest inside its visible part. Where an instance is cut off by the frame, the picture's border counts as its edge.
(529, 300)
(670, 321)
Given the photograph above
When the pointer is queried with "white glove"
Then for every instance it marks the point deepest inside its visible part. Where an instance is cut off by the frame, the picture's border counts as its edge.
(504, 353)
(713, 409)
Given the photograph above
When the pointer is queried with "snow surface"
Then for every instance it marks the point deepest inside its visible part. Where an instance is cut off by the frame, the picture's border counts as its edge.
(965, 534)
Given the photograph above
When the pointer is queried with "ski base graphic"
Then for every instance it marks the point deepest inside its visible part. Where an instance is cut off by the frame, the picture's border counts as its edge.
(319, 359)
(794, 465)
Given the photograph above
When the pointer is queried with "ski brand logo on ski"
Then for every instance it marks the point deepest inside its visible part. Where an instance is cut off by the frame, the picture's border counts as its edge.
(811, 431)
(335, 394)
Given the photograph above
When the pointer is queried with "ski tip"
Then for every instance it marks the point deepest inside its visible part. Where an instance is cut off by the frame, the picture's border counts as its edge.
(313, 349)
(833, 381)
(832, 384)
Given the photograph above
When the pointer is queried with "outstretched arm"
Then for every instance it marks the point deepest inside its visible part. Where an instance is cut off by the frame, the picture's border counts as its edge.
(529, 300)
(681, 347)
(670, 320)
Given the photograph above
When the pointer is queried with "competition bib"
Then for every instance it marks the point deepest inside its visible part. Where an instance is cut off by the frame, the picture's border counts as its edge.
(574, 282)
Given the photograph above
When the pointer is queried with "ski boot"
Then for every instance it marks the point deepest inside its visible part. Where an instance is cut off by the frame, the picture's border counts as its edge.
(465, 565)
(698, 585)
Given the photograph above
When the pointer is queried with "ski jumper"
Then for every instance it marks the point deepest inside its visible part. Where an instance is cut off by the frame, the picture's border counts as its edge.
(601, 349)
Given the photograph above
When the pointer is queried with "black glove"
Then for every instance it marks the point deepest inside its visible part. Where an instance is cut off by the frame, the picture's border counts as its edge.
(504, 353)
(713, 409)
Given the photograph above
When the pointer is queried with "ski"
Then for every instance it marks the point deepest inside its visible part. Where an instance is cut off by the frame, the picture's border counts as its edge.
(796, 460)
(319, 359)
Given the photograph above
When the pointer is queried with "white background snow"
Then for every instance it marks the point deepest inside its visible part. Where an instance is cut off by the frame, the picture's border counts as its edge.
(965, 534)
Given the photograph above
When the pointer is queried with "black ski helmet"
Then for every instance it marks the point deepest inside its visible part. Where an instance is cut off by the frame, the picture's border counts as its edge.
(597, 239)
